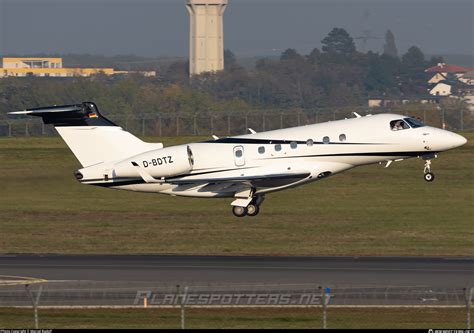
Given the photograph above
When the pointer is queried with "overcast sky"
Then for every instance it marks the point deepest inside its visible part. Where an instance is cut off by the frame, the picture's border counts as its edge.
(251, 27)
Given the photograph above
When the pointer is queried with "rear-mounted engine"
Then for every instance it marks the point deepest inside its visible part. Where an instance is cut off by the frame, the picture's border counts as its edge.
(166, 162)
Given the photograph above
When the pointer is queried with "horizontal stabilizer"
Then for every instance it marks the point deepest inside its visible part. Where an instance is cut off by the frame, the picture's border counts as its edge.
(84, 114)
(49, 109)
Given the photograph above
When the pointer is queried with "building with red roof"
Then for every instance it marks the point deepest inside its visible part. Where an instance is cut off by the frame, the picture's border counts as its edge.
(452, 81)
(447, 68)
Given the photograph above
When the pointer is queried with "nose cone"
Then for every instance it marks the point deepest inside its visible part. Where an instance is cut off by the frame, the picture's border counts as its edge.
(440, 140)
(457, 140)
(452, 140)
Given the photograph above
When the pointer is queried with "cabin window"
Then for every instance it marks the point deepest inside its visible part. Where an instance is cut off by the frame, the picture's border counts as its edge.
(414, 123)
(342, 137)
(293, 145)
(261, 150)
(278, 147)
(398, 125)
(238, 153)
(309, 142)
(326, 140)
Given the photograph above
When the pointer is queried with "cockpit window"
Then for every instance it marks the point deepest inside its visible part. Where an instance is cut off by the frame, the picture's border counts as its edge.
(399, 124)
(414, 123)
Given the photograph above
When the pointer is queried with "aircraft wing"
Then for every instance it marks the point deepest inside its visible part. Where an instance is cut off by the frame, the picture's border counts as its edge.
(263, 180)
(260, 177)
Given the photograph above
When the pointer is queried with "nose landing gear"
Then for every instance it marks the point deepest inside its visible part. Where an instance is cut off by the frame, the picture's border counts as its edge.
(428, 175)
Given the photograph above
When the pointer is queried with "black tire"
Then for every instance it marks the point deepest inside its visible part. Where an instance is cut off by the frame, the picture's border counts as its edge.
(239, 211)
(253, 210)
(429, 177)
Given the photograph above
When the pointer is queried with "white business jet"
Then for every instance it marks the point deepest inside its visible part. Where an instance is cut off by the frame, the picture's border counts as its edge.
(244, 167)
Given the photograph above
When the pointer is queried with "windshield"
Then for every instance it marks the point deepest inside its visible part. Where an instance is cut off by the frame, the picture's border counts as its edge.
(414, 123)
(398, 124)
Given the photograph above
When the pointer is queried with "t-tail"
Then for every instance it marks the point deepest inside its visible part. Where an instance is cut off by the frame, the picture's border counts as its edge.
(91, 137)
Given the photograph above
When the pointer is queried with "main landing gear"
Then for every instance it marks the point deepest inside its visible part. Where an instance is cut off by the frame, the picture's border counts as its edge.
(428, 175)
(252, 209)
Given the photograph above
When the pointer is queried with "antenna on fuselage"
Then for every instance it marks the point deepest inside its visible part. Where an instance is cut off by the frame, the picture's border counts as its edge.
(357, 115)
(215, 137)
(251, 130)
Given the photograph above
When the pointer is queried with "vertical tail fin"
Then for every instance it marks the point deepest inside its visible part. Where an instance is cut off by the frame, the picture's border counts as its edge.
(91, 137)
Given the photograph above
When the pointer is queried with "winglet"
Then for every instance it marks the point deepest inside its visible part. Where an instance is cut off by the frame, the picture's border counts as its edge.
(145, 175)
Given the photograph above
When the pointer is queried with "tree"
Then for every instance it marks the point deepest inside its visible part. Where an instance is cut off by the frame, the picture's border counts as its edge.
(178, 71)
(290, 54)
(414, 58)
(434, 60)
(381, 74)
(412, 75)
(314, 57)
(230, 62)
(338, 42)
(389, 47)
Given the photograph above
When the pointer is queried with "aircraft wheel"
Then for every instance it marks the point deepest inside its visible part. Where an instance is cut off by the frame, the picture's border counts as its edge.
(429, 177)
(239, 211)
(253, 210)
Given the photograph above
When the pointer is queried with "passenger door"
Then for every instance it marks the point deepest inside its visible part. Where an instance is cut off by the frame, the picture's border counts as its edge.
(239, 158)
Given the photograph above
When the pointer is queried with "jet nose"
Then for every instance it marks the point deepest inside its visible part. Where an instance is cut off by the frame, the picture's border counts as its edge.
(456, 140)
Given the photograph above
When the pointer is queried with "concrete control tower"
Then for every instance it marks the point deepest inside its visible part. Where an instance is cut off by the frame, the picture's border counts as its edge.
(206, 35)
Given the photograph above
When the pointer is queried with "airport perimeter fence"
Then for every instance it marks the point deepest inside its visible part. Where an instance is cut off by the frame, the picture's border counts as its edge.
(86, 304)
(237, 122)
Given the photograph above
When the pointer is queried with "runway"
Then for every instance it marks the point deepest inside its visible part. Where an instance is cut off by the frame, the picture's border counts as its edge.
(177, 269)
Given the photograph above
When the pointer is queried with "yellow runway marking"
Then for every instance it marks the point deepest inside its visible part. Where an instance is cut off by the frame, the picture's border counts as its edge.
(10, 280)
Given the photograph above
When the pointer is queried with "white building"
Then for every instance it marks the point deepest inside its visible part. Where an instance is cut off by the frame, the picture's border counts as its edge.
(452, 81)
(441, 89)
(437, 78)
(45, 67)
(206, 35)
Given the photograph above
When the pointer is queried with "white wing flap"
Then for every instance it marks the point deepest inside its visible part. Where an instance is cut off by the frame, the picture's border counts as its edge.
(254, 177)
(243, 179)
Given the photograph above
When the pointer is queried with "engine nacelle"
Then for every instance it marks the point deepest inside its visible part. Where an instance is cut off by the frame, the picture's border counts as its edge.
(165, 162)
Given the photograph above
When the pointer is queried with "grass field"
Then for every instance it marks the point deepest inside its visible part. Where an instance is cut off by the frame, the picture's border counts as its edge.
(239, 318)
(366, 211)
